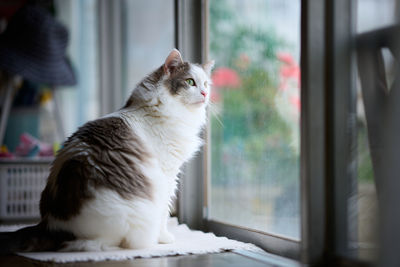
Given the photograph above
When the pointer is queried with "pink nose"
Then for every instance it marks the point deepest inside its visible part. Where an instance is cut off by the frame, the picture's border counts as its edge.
(204, 93)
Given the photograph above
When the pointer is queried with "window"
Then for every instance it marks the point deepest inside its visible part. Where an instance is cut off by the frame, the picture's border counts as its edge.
(202, 197)
(104, 34)
(145, 50)
(334, 162)
(80, 103)
(255, 115)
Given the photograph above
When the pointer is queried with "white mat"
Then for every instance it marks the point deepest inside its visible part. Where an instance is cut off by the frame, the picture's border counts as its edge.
(186, 242)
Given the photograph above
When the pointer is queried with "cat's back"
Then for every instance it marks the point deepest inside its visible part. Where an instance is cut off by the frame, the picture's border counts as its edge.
(102, 140)
(102, 154)
(108, 132)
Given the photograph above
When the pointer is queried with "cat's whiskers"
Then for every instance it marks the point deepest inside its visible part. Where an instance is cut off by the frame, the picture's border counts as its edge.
(215, 113)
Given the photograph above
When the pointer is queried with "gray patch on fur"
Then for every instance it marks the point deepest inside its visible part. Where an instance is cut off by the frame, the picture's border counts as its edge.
(103, 153)
(145, 91)
(177, 79)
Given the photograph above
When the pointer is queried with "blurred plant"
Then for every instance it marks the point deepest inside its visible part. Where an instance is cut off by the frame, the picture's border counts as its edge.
(254, 142)
(223, 77)
(364, 163)
(255, 138)
(287, 99)
(256, 87)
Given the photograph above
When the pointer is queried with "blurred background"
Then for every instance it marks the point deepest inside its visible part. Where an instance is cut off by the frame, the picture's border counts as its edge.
(139, 51)
(255, 137)
(105, 47)
(254, 124)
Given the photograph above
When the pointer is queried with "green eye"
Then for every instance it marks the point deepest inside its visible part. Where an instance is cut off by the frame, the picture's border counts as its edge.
(190, 82)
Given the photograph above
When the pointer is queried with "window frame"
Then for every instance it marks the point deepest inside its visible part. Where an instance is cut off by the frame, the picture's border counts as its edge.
(341, 128)
(313, 138)
(328, 152)
(328, 128)
(110, 29)
(192, 17)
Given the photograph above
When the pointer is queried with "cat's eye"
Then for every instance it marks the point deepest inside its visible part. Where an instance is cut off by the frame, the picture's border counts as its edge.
(190, 82)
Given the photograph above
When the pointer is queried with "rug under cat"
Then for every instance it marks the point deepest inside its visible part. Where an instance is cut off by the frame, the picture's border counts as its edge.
(186, 242)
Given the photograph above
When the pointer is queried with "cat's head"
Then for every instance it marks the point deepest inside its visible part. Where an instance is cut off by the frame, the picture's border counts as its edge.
(187, 82)
(175, 83)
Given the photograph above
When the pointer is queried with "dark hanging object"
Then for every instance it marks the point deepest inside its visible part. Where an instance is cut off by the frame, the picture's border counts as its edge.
(33, 46)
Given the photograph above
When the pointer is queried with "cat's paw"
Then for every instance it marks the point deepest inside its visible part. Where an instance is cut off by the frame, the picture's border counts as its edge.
(166, 238)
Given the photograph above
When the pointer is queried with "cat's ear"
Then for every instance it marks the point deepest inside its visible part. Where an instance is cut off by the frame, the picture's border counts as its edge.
(208, 66)
(173, 60)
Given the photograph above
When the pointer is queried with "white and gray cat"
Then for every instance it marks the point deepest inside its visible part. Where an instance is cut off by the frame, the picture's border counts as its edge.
(112, 182)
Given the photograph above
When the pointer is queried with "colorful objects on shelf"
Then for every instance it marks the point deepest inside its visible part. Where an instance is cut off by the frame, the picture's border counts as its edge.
(4, 153)
(29, 146)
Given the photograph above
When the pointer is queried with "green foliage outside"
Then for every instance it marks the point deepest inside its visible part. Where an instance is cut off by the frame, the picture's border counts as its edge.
(253, 133)
(253, 142)
(365, 171)
(255, 173)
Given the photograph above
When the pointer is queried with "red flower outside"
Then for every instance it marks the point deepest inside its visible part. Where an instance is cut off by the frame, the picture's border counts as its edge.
(225, 77)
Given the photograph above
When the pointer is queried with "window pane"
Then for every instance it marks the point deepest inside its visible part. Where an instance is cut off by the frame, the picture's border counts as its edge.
(372, 14)
(255, 113)
(149, 36)
(80, 103)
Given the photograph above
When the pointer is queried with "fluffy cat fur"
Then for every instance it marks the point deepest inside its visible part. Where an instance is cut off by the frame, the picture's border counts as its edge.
(112, 182)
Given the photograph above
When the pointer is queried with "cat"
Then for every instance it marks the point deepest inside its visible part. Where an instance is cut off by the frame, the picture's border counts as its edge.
(111, 184)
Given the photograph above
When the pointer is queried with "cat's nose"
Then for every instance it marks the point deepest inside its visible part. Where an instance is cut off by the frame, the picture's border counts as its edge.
(204, 93)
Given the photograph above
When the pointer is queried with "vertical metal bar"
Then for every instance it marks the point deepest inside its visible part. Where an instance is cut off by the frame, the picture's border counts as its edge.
(312, 131)
(110, 55)
(189, 29)
(341, 130)
(6, 105)
(190, 43)
(57, 115)
(177, 6)
(103, 59)
(207, 131)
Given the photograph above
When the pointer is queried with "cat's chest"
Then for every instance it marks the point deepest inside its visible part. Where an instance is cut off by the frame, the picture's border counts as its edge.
(170, 143)
(173, 149)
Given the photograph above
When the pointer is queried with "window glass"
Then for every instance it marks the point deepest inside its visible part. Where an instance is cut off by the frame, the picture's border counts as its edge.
(143, 51)
(80, 103)
(255, 113)
(149, 36)
(372, 14)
